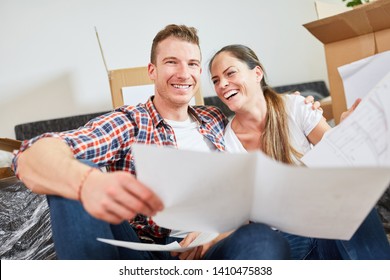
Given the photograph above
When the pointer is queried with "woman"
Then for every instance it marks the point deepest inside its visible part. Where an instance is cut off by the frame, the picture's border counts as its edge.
(284, 128)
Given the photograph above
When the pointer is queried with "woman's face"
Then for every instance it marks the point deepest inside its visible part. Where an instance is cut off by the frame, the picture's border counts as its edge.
(235, 84)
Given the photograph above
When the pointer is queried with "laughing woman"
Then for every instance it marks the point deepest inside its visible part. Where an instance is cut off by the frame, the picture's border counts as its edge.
(284, 128)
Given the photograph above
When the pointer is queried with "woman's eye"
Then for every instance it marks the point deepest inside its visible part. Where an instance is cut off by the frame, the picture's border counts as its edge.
(214, 82)
(230, 73)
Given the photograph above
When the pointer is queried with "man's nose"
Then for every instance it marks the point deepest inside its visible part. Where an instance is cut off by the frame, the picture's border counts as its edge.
(183, 72)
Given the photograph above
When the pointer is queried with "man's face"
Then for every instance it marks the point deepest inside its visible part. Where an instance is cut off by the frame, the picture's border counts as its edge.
(176, 72)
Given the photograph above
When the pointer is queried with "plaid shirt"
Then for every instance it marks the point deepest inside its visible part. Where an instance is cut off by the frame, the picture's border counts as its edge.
(107, 141)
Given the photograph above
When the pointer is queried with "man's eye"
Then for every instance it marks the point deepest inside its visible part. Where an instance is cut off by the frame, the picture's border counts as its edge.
(214, 81)
(170, 62)
(230, 73)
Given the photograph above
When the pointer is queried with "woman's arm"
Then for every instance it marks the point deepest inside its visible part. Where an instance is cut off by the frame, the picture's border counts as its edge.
(319, 130)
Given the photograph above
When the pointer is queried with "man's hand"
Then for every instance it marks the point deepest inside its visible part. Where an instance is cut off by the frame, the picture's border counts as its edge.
(117, 196)
(316, 105)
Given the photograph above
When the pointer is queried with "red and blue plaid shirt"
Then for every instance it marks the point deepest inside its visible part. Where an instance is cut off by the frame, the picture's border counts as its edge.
(107, 141)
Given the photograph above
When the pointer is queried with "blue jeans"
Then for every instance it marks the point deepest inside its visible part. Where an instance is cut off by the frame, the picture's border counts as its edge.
(368, 243)
(75, 233)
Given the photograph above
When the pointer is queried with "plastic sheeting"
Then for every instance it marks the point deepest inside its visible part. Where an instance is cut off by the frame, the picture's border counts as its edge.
(25, 231)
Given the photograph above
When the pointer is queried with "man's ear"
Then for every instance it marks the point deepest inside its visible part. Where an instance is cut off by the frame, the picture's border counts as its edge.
(152, 71)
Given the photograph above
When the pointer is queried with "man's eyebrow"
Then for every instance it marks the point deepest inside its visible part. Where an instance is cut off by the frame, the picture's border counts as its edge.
(169, 57)
(195, 60)
(175, 58)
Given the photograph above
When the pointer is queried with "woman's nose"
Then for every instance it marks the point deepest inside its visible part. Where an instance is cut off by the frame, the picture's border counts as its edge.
(224, 83)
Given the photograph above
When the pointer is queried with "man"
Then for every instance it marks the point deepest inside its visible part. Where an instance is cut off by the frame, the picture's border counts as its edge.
(86, 203)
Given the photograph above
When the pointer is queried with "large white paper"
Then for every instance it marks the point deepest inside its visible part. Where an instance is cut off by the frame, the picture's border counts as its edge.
(218, 192)
(360, 140)
(361, 76)
(173, 247)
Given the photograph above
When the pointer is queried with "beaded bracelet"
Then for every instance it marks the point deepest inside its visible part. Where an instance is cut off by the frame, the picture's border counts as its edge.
(86, 174)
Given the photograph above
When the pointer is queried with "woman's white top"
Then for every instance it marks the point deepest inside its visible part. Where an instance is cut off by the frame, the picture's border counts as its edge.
(301, 121)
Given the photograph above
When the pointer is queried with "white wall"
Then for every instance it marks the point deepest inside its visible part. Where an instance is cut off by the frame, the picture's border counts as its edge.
(50, 62)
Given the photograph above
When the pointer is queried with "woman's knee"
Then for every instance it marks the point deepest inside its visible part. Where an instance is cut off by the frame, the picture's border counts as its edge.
(263, 237)
(255, 230)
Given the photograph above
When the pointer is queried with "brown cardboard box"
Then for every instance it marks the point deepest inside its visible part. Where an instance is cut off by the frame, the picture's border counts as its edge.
(6, 172)
(8, 145)
(348, 37)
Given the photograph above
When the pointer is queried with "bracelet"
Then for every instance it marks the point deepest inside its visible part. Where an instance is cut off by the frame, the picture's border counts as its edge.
(86, 174)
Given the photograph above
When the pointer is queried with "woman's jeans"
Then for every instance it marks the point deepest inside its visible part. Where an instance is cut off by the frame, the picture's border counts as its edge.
(368, 243)
(75, 233)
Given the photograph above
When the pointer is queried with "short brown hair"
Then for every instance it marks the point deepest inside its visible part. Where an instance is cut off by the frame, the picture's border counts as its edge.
(182, 32)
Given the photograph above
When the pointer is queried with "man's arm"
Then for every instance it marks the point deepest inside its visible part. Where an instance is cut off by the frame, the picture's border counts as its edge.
(48, 167)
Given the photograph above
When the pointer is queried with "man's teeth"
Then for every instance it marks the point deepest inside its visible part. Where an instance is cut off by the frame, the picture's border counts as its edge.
(181, 86)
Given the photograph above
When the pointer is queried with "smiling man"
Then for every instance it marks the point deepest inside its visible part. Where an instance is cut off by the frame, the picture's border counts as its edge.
(175, 70)
(86, 203)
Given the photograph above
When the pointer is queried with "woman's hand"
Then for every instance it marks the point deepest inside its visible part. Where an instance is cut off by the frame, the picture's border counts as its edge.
(345, 114)
(207, 246)
(192, 254)
(198, 252)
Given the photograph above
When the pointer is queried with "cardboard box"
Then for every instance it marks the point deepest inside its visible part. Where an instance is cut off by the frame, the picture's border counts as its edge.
(8, 145)
(6, 172)
(348, 37)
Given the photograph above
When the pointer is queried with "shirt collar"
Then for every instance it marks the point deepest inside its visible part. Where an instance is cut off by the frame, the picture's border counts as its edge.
(198, 117)
(156, 117)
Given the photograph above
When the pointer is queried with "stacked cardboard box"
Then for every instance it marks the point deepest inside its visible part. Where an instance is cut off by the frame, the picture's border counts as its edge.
(348, 37)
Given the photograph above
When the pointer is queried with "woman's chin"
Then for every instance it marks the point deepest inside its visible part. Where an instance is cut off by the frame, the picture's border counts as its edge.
(233, 106)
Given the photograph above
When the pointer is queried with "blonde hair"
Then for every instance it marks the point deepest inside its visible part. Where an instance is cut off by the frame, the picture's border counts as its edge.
(275, 141)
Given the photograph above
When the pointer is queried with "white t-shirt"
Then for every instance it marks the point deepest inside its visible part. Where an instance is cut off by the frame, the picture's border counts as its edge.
(301, 121)
(188, 137)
